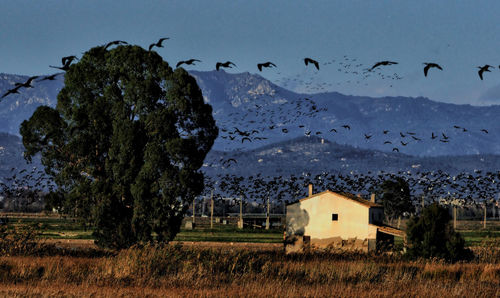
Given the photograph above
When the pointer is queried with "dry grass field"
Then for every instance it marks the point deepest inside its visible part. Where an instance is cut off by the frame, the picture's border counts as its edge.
(199, 265)
(175, 270)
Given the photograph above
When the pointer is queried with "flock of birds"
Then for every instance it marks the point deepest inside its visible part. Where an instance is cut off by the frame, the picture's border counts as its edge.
(467, 190)
(435, 183)
(66, 62)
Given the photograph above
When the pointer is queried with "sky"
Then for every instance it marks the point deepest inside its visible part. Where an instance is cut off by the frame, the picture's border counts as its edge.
(458, 35)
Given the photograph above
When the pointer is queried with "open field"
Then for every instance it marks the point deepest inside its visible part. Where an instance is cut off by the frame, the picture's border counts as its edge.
(188, 271)
(58, 228)
(226, 261)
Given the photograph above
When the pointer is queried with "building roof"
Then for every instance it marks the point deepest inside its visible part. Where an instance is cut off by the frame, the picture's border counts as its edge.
(345, 195)
(390, 230)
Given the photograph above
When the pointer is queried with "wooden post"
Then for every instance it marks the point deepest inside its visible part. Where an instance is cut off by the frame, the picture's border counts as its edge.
(194, 209)
(454, 217)
(212, 209)
(484, 222)
(267, 215)
(240, 223)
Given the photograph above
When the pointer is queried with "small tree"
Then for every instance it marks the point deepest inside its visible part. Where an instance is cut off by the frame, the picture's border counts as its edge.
(396, 199)
(431, 235)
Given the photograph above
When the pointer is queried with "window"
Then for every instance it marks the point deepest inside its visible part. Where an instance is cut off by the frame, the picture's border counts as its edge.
(335, 217)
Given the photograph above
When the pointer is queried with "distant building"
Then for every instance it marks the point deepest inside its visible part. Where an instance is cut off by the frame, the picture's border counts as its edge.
(336, 220)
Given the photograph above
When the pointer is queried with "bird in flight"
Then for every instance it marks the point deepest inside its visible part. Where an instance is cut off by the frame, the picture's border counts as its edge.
(50, 78)
(395, 149)
(11, 91)
(430, 65)
(67, 60)
(312, 61)
(26, 84)
(346, 126)
(187, 62)
(382, 63)
(113, 43)
(484, 130)
(483, 69)
(158, 44)
(265, 64)
(226, 64)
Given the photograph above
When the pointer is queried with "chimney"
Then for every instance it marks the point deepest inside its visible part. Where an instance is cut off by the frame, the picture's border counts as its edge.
(310, 189)
(372, 198)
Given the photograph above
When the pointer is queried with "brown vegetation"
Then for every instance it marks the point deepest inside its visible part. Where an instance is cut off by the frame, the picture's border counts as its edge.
(189, 271)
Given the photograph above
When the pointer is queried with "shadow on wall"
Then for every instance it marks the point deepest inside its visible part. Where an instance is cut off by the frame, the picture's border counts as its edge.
(296, 221)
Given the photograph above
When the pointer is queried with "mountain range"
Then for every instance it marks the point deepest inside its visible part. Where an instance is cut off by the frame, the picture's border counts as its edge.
(330, 130)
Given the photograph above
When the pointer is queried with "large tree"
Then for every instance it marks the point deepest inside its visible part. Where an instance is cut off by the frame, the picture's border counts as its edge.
(125, 143)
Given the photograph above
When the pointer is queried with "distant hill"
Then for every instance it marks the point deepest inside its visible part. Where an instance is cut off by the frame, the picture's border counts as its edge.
(250, 102)
(314, 155)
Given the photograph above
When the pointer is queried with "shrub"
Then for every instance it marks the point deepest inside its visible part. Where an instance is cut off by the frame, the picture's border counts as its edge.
(431, 236)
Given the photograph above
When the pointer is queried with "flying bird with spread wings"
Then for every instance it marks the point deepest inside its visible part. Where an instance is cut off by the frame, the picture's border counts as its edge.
(431, 65)
(483, 69)
(113, 43)
(26, 84)
(312, 61)
(265, 64)
(158, 44)
(382, 63)
(187, 62)
(226, 64)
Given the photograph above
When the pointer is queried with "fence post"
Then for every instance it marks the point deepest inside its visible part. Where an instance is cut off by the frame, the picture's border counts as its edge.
(212, 209)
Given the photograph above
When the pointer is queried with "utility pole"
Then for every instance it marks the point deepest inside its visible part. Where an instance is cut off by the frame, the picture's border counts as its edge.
(194, 209)
(240, 222)
(267, 215)
(484, 222)
(212, 209)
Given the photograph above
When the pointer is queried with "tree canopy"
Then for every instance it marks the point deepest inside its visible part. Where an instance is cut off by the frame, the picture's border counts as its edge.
(395, 197)
(125, 143)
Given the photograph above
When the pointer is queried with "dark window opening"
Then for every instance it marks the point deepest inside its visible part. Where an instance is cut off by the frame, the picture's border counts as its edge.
(335, 216)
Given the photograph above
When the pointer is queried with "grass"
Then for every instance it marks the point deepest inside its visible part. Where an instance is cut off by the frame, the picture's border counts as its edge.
(180, 271)
(67, 228)
(231, 234)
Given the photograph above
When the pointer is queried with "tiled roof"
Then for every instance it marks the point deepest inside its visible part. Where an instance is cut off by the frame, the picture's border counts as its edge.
(346, 195)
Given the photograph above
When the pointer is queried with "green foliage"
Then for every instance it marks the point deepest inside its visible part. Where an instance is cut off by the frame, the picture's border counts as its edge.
(432, 236)
(395, 197)
(124, 144)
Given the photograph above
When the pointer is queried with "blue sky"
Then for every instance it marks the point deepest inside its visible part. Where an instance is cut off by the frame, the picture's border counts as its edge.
(459, 35)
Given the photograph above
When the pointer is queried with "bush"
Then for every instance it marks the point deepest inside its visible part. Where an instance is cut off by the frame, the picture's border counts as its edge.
(431, 236)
